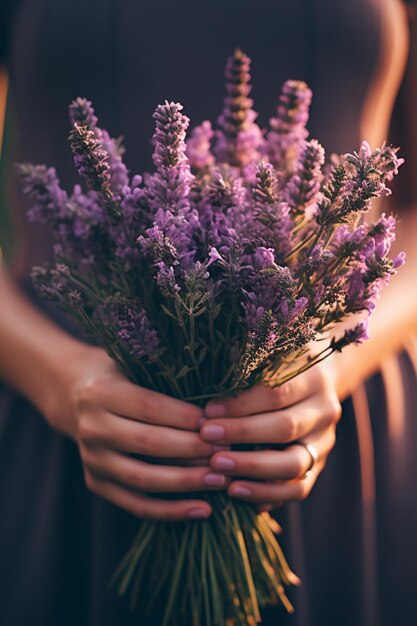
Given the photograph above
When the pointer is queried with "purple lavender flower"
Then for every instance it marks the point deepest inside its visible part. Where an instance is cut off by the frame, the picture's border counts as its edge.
(385, 160)
(169, 136)
(358, 334)
(357, 179)
(355, 297)
(257, 256)
(199, 146)
(239, 139)
(347, 243)
(315, 261)
(288, 132)
(50, 202)
(167, 191)
(92, 162)
(90, 159)
(222, 211)
(166, 280)
(134, 329)
(52, 282)
(399, 260)
(272, 220)
(383, 229)
(82, 113)
(303, 187)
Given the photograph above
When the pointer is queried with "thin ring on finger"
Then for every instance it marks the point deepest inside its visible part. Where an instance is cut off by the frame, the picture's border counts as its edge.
(314, 457)
(289, 464)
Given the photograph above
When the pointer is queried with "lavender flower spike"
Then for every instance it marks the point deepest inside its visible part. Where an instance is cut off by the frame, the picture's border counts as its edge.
(92, 162)
(167, 191)
(198, 146)
(133, 328)
(81, 112)
(169, 137)
(42, 185)
(239, 138)
(270, 211)
(358, 334)
(90, 158)
(303, 187)
(169, 187)
(288, 129)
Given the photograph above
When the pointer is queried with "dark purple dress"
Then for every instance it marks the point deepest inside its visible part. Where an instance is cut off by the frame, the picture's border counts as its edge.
(59, 543)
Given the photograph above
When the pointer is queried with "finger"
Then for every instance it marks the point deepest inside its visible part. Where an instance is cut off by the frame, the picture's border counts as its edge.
(146, 507)
(118, 433)
(275, 427)
(274, 492)
(288, 464)
(260, 399)
(202, 460)
(146, 477)
(122, 397)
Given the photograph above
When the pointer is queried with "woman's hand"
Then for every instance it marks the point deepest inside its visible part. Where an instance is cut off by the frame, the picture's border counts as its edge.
(112, 419)
(304, 410)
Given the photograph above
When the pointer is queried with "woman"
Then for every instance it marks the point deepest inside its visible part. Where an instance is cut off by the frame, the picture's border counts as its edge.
(62, 400)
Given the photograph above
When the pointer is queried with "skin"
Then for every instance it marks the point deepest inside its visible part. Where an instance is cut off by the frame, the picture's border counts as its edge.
(81, 394)
(303, 410)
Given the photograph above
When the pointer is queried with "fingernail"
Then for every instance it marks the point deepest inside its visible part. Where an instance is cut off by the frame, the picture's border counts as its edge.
(214, 479)
(198, 514)
(223, 463)
(211, 432)
(215, 410)
(201, 421)
(241, 491)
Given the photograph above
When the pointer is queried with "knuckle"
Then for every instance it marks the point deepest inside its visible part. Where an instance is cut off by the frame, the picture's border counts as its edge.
(149, 442)
(239, 431)
(87, 429)
(251, 466)
(301, 491)
(149, 403)
(297, 467)
(89, 391)
(334, 409)
(187, 481)
(138, 480)
(197, 447)
(89, 481)
(279, 396)
(287, 428)
(234, 405)
(85, 454)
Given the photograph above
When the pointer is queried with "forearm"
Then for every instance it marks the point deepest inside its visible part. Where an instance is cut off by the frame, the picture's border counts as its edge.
(391, 324)
(33, 350)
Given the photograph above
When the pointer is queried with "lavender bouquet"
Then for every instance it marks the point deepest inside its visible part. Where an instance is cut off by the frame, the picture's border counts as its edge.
(217, 271)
